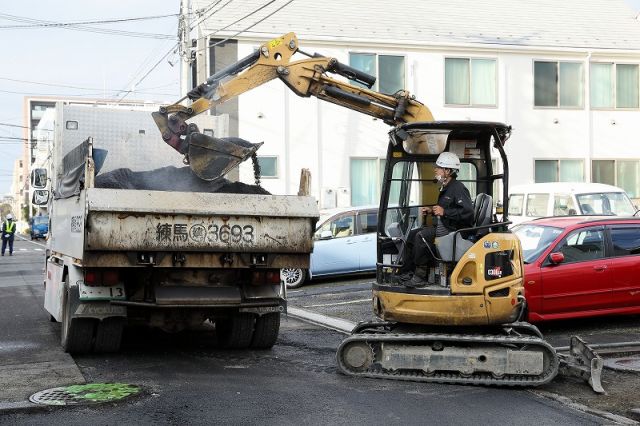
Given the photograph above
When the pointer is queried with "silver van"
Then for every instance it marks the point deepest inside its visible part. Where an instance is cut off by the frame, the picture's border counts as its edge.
(528, 202)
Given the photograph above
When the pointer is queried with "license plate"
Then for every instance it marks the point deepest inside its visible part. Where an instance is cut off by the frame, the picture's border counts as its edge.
(115, 292)
(263, 309)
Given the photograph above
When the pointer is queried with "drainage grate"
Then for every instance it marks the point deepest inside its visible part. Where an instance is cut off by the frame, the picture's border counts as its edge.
(91, 393)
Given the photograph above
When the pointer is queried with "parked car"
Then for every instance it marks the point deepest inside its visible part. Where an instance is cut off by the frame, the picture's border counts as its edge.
(344, 243)
(527, 202)
(39, 226)
(576, 266)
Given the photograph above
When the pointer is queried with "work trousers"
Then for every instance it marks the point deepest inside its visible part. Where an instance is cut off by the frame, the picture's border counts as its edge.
(4, 244)
(419, 249)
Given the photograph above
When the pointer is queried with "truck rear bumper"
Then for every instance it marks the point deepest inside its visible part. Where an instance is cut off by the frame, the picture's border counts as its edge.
(251, 304)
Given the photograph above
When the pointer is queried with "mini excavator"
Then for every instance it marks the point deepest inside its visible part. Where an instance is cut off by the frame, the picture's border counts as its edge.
(464, 326)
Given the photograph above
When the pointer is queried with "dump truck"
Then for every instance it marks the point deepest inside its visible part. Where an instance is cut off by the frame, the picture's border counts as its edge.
(137, 239)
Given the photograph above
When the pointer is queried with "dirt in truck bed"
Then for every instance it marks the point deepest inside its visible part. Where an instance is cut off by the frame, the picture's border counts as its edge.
(171, 178)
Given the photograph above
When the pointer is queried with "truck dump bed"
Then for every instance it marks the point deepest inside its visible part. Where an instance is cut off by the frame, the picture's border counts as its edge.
(135, 220)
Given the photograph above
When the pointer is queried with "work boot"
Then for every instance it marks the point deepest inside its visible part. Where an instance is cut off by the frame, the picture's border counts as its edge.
(402, 278)
(419, 279)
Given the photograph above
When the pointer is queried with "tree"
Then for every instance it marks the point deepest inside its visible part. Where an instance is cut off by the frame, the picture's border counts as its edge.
(5, 209)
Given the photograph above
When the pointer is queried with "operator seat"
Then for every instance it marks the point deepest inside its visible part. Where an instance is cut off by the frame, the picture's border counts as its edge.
(482, 210)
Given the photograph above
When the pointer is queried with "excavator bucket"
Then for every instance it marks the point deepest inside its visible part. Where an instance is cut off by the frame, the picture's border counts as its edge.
(211, 158)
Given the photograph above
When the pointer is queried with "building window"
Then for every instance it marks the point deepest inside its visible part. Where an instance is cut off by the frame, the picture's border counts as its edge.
(558, 84)
(470, 82)
(366, 180)
(559, 171)
(614, 86)
(268, 166)
(624, 174)
(388, 70)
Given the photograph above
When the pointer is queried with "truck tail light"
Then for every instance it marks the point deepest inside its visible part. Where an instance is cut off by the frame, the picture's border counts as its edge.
(273, 277)
(101, 278)
(90, 277)
(265, 277)
(110, 278)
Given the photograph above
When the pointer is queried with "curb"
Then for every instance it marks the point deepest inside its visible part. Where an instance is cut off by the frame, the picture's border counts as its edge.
(24, 407)
(615, 418)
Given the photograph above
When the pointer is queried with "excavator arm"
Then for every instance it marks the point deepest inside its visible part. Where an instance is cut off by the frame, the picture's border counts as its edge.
(305, 77)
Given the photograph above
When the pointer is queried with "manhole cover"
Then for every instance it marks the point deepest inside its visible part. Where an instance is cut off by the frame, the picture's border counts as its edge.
(91, 393)
(631, 363)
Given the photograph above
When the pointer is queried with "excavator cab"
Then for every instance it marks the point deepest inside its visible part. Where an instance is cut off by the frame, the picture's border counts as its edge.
(478, 277)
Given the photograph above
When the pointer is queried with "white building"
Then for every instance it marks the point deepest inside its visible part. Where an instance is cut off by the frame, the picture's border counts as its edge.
(564, 74)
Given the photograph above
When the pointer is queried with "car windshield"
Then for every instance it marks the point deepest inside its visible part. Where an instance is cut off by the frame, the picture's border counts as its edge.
(535, 239)
(607, 203)
(39, 220)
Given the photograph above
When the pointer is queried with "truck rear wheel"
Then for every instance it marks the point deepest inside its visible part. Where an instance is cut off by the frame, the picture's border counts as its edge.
(266, 331)
(109, 335)
(76, 335)
(235, 332)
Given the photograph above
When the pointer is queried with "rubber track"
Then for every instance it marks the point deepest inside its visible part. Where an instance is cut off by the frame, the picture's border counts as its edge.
(484, 379)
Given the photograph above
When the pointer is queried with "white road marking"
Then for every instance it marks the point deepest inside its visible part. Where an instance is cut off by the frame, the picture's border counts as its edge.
(337, 324)
(23, 249)
(338, 303)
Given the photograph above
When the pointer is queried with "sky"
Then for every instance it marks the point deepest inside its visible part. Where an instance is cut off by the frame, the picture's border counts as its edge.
(39, 60)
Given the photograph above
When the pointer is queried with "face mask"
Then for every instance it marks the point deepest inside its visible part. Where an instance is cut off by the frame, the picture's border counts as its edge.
(438, 178)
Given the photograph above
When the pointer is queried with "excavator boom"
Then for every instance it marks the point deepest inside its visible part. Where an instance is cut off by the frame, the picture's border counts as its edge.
(305, 77)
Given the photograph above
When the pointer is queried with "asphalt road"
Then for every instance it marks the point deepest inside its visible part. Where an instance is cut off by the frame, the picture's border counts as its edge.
(187, 380)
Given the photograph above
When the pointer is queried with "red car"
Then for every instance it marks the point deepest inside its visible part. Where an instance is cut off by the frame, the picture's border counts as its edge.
(579, 266)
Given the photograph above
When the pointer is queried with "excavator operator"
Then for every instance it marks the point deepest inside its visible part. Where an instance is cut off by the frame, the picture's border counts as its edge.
(453, 211)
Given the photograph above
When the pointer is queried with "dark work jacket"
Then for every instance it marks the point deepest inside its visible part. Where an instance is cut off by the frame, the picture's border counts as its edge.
(5, 230)
(454, 198)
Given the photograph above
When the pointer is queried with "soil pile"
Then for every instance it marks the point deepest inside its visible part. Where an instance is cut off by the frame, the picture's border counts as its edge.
(171, 178)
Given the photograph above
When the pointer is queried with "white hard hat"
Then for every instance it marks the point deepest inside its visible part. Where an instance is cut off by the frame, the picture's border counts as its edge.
(9, 216)
(448, 160)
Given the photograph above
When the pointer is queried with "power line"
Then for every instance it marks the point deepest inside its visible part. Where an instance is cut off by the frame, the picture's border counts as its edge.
(249, 27)
(127, 92)
(202, 13)
(13, 125)
(71, 23)
(112, 92)
(176, 47)
(75, 87)
(221, 41)
(88, 28)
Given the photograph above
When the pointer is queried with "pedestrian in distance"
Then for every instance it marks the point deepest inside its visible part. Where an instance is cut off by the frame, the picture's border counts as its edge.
(8, 232)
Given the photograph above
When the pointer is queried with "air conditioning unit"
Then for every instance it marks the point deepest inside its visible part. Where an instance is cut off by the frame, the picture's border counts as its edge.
(344, 197)
(328, 198)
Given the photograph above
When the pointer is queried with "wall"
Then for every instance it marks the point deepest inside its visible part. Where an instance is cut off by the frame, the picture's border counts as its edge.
(323, 137)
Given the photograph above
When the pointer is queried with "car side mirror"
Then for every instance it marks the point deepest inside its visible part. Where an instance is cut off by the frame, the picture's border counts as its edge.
(326, 235)
(556, 258)
(40, 197)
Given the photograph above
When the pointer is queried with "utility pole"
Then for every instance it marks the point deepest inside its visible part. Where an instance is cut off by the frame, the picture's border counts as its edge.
(185, 46)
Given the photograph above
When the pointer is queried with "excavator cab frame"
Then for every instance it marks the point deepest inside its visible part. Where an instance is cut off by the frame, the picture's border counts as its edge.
(487, 260)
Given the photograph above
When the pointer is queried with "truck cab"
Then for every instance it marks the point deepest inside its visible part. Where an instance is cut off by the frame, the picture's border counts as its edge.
(39, 226)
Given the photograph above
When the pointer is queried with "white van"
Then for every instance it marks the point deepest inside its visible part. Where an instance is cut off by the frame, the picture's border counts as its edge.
(528, 202)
